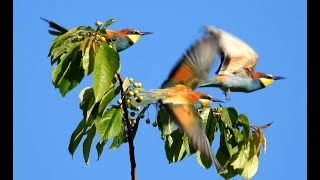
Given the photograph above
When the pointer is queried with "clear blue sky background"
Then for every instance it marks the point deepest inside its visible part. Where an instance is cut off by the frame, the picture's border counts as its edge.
(43, 121)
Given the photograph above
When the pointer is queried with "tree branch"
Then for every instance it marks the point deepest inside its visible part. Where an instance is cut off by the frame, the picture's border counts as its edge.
(129, 136)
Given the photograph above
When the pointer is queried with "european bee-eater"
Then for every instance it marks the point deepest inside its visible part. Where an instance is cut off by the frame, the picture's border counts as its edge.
(122, 38)
(178, 97)
(236, 71)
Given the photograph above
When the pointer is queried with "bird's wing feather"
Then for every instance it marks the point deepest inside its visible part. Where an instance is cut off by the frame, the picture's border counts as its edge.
(235, 54)
(190, 122)
(194, 66)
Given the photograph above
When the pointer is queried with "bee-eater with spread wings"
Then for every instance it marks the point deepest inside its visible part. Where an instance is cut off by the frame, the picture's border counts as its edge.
(236, 72)
(178, 97)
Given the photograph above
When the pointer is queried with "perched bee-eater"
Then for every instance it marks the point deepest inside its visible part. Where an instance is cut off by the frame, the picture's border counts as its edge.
(205, 102)
(178, 97)
(236, 71)
(122, 38)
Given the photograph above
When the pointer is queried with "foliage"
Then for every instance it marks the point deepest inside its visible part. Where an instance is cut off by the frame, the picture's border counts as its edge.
(239, 149)
(82, 50)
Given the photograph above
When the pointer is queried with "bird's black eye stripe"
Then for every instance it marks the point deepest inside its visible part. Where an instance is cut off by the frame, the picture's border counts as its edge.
(205, 96)
(268, 76)
(136, 32)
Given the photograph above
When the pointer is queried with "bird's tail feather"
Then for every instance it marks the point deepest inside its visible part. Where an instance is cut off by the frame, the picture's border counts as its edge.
(215, 160)
(59, 28)
(209, 153)
(148, 97)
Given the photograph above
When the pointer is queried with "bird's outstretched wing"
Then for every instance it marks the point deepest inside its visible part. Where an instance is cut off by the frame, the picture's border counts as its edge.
(60, 29)
(194, 66)
(190, 123)
(192, 69)
(236, 55)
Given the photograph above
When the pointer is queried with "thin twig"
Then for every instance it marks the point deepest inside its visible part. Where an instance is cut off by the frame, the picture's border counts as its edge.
(130, 138)
(135, 127)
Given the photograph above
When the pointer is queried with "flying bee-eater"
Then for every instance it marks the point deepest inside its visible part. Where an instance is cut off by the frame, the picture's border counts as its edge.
(236, 71)
(178, 97)
(122, 38)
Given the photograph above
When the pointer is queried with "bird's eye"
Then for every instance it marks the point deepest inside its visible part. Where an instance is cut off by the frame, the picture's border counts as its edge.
(269, 76)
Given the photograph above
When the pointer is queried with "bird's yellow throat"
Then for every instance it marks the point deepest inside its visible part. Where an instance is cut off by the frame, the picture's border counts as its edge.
(266, 82)
(205, 102)
(134, 37)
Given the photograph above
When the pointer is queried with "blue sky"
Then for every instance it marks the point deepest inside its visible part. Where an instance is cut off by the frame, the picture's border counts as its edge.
(43, 121)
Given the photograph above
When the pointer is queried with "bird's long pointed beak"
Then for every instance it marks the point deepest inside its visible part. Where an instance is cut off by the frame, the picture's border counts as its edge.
(144, 33)
(277, 77)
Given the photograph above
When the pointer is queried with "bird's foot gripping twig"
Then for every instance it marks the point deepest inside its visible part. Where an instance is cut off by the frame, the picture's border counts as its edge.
(227, 93)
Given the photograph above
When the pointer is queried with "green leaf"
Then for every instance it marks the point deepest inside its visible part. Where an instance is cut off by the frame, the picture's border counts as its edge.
(255, 144)
(165, 123)
(83, 44)
(253, 162)
(223, 157)
(229, 173)
(246, 161)
(106, 64)
(252, 168)
(64, 39)
(118, 140)
(110, 125)
(87, 101)
(99, 147)
(246, 127)
(229, 116)
(237, 134)
(58, 51)
(241, 158)
(263, 141)
(86, 57)
(176, 152)
(69, 72)
(223, 154)
(77, 136)
(113, 44)
(87, 143)
(170, 140)
(89, 28)
(109, 22)
(210, 123)
(125, 84)
(204, 115)
(84, 96)
(103, 30)
(186, 144)
(107, 98)
(76, 37)
(59, 40)
(92, 55)
(228, 139)
(70, 52)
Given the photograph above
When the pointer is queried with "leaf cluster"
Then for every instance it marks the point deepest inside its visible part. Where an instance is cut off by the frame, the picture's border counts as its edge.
(79, 52)
(239, 149)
